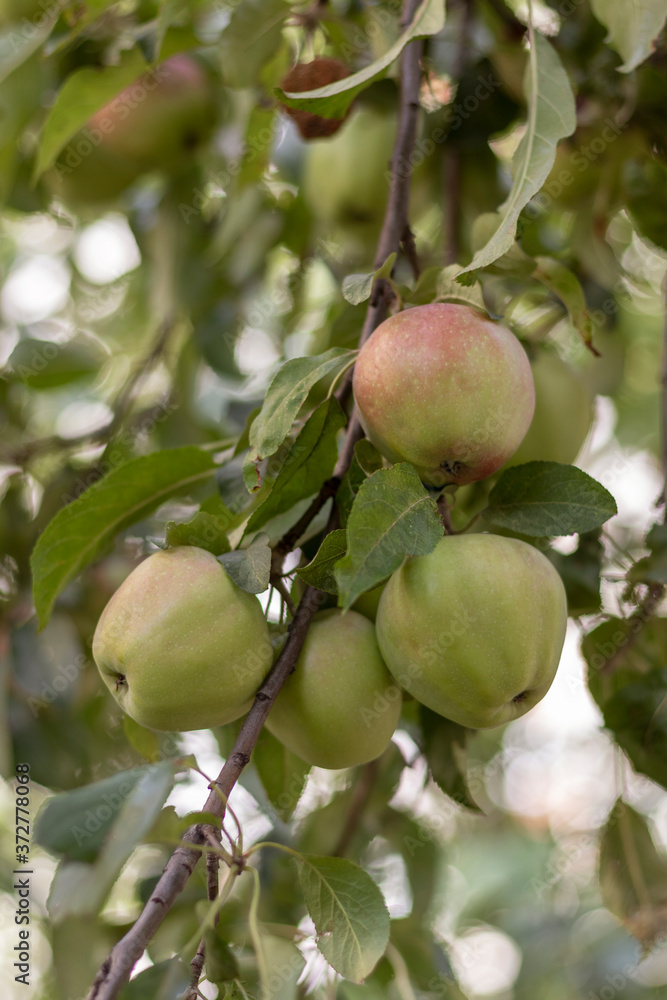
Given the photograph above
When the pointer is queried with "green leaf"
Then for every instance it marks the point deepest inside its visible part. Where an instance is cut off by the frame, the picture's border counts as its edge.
(286, 394)
(251, 38)
(449, 290)
(205, 531)
(85, 529)
(309, 462)
(165, 981)
(83, 93)
(367, 460)
(633, 27)
(281, 772)
(250, 568)
(319, 572)
(652, 568)
(551, 117)
(221, 964)
(563, 283)
(74, 824)
(633, 875)
(333, 100)
(13, 55)
(348, 911)
(392, 516)
(544, 499)
(79, 888)
(47, 365)
(358, 287)
(444, 744)
(580, 572)
(633, 696)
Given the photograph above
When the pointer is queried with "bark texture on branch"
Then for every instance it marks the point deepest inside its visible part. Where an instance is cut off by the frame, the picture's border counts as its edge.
(116, 969)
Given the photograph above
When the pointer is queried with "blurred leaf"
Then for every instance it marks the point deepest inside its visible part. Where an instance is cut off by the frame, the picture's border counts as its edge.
(646, 194)
(251, 38)
(83, 93)
(75, 824)
(286, 394)
(563, 283)
(633, 28)
(551, 117)
(44, 364)
(165, 981)
(348, 911)
(333, 100)
(308, 463)
(392, 516)
(85, 529)
(221, 964)
(250, 568)
(633, 695)
(652, 568)
(79, 888)
(282, 773)
(319, 572)
(145, 741)
(545, 499)
(205, 531)
(444, 745)
(358, 287)
(580, 572)
(633, 875)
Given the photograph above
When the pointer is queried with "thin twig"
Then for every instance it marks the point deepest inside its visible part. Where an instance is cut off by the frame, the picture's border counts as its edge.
(117, 967)
(358, 803)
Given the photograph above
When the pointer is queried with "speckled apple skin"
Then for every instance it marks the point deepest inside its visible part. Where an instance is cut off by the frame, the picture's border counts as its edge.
(445, 389)
(341, 706)
(191, 646)
(475, 624)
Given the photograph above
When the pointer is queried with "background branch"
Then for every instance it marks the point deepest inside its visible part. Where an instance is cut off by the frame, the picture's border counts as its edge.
(117, 967)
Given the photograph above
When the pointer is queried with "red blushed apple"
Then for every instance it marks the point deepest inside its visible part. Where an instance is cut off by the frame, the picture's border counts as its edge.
(446, 389)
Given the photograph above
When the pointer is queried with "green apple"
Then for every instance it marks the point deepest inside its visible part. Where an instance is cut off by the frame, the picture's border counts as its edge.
(368, 603)
(444, 388)
(475, 629)
(563, 413)
(340, 707)
(345, 176)
(179, 645)
(154, 124)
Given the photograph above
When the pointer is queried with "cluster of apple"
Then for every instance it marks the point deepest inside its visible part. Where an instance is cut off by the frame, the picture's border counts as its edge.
(474, 630)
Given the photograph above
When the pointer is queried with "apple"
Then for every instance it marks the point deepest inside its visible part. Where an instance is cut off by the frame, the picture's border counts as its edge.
(155, 123)
(368, 603)
(444, 388)
(340, 707)
(563, 413)
(475, 629)
(311, 76)
(179, 645)
(344, 177)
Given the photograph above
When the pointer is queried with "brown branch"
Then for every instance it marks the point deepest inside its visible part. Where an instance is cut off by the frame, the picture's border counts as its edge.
(451, 167)
(117, 967)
